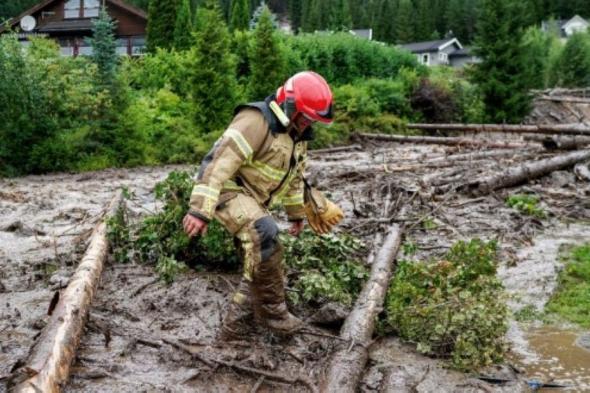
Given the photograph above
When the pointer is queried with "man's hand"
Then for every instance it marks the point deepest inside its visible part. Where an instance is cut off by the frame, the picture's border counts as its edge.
(194, 226)
(296, 228)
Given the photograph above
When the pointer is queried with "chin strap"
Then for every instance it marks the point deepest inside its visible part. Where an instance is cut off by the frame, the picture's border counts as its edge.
(276, 109)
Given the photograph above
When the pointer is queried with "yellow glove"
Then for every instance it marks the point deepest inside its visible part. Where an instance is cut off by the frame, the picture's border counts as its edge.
(322, 214)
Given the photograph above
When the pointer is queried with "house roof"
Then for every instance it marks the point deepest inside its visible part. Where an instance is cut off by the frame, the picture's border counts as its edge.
(561, 24)
(431, 46)
(39, 6)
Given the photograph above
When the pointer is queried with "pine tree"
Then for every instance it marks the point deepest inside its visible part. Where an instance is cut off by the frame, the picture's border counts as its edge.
(267, 61)
(240, 15)
(500, 74)
(161, 19)
(340, 18)
(258, 13)
(405, 22)
(425, 23)
(183, 28)
(104, 48)
(213, 81)
(296, 13)
(574, 62)
(385, 20)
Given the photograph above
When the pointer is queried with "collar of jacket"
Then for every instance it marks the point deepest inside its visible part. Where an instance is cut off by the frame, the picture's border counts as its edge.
(274, 124)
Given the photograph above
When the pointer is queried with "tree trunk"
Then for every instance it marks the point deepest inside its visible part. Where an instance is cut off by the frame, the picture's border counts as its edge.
(440, 140)
(527, 171)
(348, 362)
(575, 100)
(338, 149)
(559, 142)
(47, 366)
(547, 129)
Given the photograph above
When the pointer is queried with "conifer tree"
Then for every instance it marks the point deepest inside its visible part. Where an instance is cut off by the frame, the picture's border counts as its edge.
(160, 26)
(574, 62)
(296, 14)
(104, 48)
(258, 13)
(340, 18)
(213, 81)
(267, 61)
(386, 20)
(499, 75)
(405, 22)
(240, 15)
(183, 28)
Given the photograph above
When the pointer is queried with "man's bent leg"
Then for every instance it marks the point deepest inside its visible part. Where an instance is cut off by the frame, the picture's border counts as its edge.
(268, 289)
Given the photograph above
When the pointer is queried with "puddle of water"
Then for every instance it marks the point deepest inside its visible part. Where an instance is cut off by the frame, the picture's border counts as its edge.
(558, 357)
(545, 353)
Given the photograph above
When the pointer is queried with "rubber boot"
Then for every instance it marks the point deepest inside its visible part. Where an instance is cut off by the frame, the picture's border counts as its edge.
(238, 320)
(270, 309)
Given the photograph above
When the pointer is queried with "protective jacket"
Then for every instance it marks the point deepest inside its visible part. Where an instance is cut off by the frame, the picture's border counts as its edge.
(257, 156)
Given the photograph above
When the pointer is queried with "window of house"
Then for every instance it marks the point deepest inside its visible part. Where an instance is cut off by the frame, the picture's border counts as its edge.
(443, 58)
(426, 59)
(91, 8)
(72, 9)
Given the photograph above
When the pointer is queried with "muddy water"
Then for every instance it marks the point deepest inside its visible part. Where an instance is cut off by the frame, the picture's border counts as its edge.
(558, 356)
(546, 353)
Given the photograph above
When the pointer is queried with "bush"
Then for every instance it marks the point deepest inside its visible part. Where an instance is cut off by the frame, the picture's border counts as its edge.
(453, 308)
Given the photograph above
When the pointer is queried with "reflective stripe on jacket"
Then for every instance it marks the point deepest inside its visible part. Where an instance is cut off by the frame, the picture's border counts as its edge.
(250, 157)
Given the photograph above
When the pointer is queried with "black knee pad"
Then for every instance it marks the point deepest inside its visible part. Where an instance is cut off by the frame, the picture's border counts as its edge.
(268, 232)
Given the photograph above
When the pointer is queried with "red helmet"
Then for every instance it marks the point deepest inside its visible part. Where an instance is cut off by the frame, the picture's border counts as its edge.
(307, 93)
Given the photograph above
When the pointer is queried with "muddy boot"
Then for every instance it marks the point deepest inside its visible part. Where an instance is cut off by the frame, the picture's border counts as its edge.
(268, 292)
(238, 320)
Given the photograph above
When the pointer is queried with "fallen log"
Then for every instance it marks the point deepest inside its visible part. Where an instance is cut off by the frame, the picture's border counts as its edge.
(559, 142)
(348, 361)
(546, 129)
(338, 149)
(47, 366)
(574, 100)
(449, 141)
(523, 173)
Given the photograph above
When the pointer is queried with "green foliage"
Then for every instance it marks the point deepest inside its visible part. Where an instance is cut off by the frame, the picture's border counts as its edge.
(104, 48)
(161, 22)
(526, 204)
(572, 298)
(240, 15)
(159, 240)
(501, 74)
(573, 66)
(267, 60)
(527, 314)
(183, 27)
(213, 78)
(326, 268)
(454, 308)
(258, 13)
(342, 58)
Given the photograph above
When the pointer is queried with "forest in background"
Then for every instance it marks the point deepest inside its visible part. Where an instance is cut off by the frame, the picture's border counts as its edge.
(169, 106)
(393, 21)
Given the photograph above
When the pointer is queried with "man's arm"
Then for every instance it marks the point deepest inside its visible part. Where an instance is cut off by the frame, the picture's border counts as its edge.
(239, 143)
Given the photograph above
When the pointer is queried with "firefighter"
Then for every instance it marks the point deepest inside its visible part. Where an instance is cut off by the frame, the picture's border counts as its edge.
(258, 162)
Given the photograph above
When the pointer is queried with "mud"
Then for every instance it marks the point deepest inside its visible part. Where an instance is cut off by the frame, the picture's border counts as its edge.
(45, 221)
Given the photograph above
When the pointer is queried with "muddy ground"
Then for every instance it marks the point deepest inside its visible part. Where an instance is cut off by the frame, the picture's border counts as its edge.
(45, 221)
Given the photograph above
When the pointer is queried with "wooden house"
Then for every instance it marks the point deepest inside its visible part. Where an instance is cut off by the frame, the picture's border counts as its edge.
(70, 23)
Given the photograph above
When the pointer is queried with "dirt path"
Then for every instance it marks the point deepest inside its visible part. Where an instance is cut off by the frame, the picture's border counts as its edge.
(122, 349)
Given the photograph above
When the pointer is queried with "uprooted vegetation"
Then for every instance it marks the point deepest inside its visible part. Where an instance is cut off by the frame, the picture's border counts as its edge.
(320, 268)
(452, 308)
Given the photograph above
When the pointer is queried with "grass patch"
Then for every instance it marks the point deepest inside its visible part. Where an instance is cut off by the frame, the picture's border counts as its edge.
(526, 204)
(572, 298)
(453, 308)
